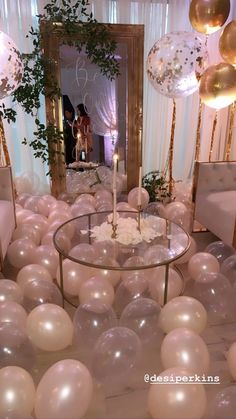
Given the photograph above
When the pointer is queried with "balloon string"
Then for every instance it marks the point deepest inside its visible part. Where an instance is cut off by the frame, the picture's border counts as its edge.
(171, 148)
(4, 157)
(198, 137)
(229, 140)
(213, 136)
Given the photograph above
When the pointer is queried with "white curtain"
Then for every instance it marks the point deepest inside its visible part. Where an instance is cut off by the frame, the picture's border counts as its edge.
(159, 17)
(16, 18)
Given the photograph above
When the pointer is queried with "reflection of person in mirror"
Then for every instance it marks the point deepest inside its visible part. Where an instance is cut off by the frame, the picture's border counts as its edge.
(84, 131)
(69, 140)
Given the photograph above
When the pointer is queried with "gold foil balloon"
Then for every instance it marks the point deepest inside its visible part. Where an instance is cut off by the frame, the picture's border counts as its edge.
(218, 86)
(227, 43)
(177, 400)
(207, 16)
(175, 63)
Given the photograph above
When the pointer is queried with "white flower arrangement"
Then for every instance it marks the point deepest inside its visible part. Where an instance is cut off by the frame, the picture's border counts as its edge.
(127, 231)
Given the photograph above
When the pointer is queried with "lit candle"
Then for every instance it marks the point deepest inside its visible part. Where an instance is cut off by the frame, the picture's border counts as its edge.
(139, 186)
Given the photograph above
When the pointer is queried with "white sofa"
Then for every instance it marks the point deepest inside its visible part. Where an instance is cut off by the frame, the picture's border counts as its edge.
(215, 198)
(7, 210)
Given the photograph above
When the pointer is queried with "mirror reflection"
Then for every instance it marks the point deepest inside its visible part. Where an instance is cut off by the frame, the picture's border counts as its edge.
(94, 110)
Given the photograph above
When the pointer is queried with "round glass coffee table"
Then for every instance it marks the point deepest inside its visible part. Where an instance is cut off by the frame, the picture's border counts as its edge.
(140, 241)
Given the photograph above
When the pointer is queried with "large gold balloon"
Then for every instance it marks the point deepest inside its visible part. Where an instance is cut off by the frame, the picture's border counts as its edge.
(218, 86)
(207, 16)
(227, 43)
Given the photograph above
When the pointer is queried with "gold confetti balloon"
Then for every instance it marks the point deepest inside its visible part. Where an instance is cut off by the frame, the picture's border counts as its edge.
(175, 64)
(11, 66)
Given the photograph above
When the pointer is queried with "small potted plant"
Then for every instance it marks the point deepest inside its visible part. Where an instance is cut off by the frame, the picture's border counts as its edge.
(157, 186)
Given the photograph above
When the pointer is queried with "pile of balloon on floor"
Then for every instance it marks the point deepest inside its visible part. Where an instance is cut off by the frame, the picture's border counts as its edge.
(119, 321)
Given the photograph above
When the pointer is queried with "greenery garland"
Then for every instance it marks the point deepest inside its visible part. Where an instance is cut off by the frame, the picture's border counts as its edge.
(94, 37)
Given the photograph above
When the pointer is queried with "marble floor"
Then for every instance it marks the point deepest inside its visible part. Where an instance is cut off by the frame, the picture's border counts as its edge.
(131, 403)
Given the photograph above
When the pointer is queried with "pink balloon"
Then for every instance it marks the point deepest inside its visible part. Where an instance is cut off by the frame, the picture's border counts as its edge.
(45, 203)
(124, 206)
(82, 208)
(26, 231)
(133, 198)
(59, 205)
(20, 252)
(176, 212)
(105, 248)
(104, 207)
(31, 203)
(62, 241)
(74, 275)
(184, 348)
(46, 256)
(68, 229)
(15, 347)
(11, 312)
(49, 327)
(131, 288)
(190, 252)
(83, 252)
(17, 392)
(22, 198)
(32, 272)
(39, 292)
(57, 213)
(157, 284)
(85, 197)
(111, 275)
(103, 195)
(21, 215)
(177, 400)
(202, 263)
(64, 392)
(10, 291)
(183, 312)
(96, 288)
(37, 221)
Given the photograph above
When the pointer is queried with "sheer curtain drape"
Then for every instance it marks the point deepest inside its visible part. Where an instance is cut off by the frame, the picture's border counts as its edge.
(159, 17)
(16, 18)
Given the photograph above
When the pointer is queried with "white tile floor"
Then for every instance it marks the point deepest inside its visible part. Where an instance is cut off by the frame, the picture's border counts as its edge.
(131, 403)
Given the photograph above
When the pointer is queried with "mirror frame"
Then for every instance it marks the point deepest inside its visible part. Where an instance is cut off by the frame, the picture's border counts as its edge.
(133, 37)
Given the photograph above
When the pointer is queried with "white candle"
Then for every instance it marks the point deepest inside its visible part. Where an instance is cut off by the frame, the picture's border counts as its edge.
(115, 158)
(139, 186)
(114, 208)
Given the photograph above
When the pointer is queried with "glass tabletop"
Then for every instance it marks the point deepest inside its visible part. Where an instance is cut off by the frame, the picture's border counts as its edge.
(138, 241)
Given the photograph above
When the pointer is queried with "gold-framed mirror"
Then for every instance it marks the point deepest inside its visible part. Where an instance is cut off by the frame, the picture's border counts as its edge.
(128, 97)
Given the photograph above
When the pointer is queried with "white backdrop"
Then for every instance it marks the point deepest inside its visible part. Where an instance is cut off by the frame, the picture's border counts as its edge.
(159, 17)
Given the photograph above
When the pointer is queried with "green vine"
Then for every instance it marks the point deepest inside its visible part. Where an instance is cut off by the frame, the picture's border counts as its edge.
(94, 37)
